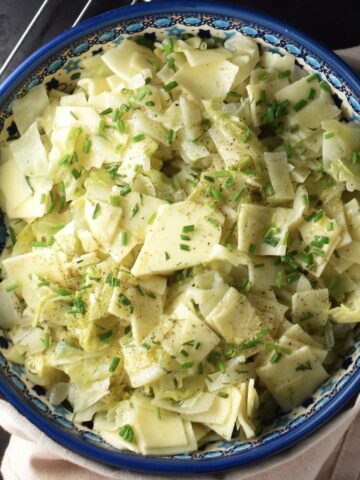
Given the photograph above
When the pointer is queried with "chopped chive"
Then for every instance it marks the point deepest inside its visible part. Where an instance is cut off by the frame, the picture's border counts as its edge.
(124, 190)
(308, 259)
(127, 433)
(279, 279)
(233, 94)
(329, 135)
(102, 126)
(209, 179)
(12, 287)
(74, 115)
(168, 45)
(252, 249)
(315, 216)
(106, 336)
(124, 108)
(319, 241)
(311, 94)
(247, 134)
(29, 183)
(318, 216)
(46, 340)
(138, 138)
(292, 277)
(86, 145)
(355, 157)
(221, 173)
(39, 244)
(284, 74)
(185, 237)
(146, 346)
(269, 189)
(77, 131)
(300, 105)
(171, 63)
(247, 286)
(79, 305)
(312, 77)
(217, 194)
(154, 65)
(229, 183)
(184, 353)
(170, 135)
(223, 395)
(112, 281)
(120, 125)
(123, 239)
(115, 201)
(288, 149)
(188, 228)
(107, 111)
(186, 365)
(275, 357)
(115, 115)
(114, 364)
(200, 368)
(142, 93)
(96, 211)
(12, 235)
(150, 103)
(184, 247)
(325, 86)
(134, 210)
(75, 173)
(191, 182)
(305, 199)
(151, 218)
(64, 292)
(167, 256)
(272, 241)
(63, 162)
(263, 76)
(330, 227)
(304, 366)
(139, 291)
(124, 300)
(170, 86)
(42, 198)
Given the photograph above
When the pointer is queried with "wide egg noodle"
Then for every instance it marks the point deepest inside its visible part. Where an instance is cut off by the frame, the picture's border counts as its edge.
(184, 242)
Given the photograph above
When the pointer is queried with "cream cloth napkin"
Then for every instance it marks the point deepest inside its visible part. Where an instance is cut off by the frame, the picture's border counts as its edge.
(332, 453)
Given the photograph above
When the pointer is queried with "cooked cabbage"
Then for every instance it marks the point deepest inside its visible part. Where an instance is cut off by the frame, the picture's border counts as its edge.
(184, 240)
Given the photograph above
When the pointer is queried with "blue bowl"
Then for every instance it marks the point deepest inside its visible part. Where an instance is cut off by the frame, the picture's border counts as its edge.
(57, 66)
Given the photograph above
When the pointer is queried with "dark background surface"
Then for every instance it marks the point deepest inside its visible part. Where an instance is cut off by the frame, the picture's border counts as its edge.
(335, 27)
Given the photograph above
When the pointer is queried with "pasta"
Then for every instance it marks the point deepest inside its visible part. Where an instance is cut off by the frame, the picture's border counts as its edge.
(183, 251)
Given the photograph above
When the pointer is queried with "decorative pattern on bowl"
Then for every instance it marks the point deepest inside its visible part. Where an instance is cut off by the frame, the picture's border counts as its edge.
(61, 70)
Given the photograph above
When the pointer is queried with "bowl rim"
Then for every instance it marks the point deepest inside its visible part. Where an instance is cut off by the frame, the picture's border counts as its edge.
(159, 464)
